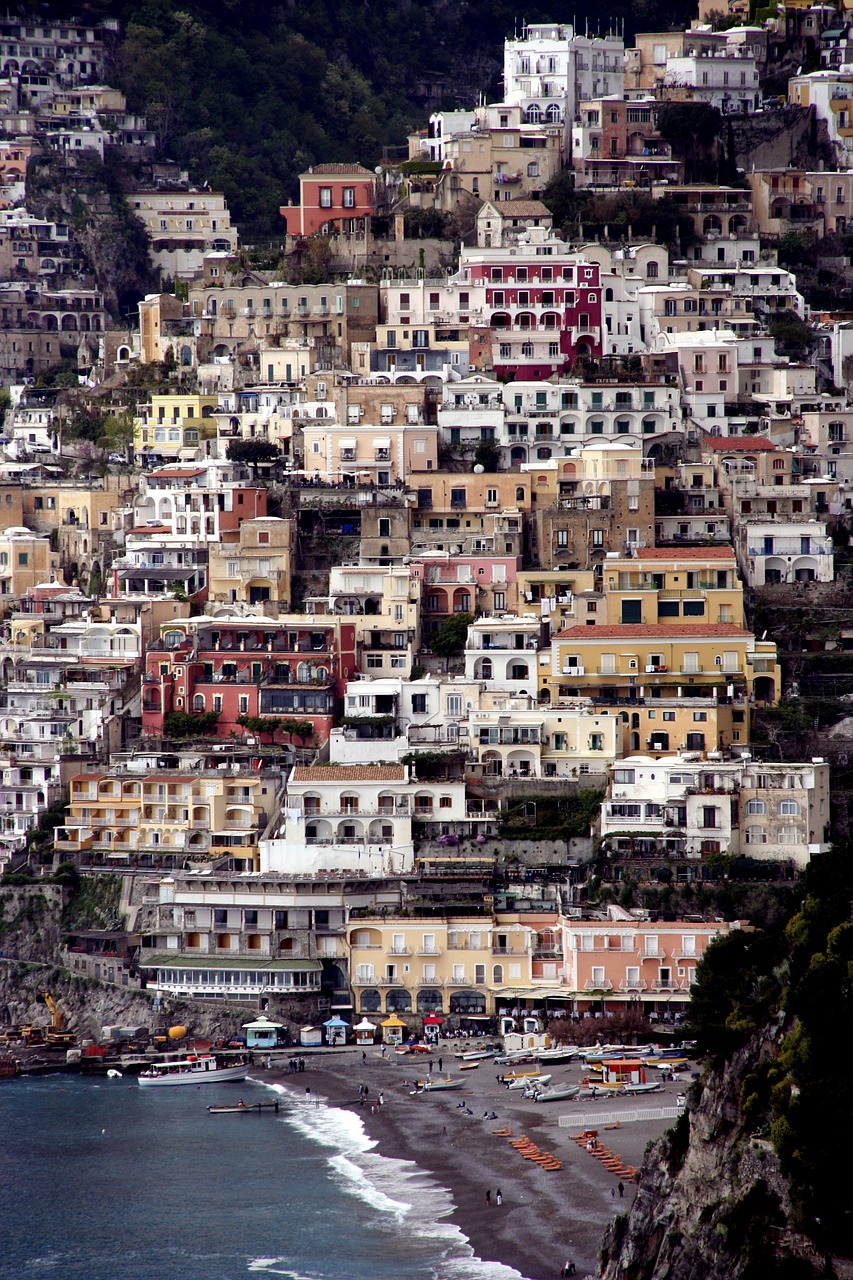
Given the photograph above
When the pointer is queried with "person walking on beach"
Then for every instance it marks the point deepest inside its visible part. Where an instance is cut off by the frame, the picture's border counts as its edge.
(621, 1190)
(498, 1196)
(381, 1099)
(488, 1197)
(364, 1057)
(439, 1064)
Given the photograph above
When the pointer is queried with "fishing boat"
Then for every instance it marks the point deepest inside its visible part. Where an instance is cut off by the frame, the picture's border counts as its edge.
(565, 1053)
(476, 1055)
(523, 1081)
(557, 1093)
(519, 1075)
(196, 1068)
(436, 1086)
(469, 1066)
(244, 1108)
(652, 1086)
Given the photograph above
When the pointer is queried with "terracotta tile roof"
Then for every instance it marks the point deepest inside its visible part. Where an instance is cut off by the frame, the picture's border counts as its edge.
(523, 209)
(739, 444)
(654, 631)
(176, 473)
(143, 530)
(685, 553)
(349, 773)
(351, 169)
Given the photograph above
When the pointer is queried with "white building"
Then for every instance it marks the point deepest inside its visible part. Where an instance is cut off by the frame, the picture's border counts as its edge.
(771, 553)
(725, 79)
(550, 68)
(687, 807)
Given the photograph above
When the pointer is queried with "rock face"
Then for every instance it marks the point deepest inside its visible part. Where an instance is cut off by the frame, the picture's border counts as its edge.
(711, 1201)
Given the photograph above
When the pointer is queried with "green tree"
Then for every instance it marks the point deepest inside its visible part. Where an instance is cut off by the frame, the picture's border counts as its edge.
(487, 455)
(253, 452)
(450, 639)
(117, 432)
(185, 724)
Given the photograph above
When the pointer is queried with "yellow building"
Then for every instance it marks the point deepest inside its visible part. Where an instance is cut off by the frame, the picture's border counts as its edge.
(691, 585)
(169, 818)
(385, 453)
(255, 568)
(53, 506)
(565, 599)
(174, 426)
(26, 560)
(684, 685)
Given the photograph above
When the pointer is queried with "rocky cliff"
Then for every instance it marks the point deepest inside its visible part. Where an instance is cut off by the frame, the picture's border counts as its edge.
(712, 1202)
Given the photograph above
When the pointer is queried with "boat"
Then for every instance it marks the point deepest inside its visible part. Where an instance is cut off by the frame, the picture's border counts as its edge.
(475, 1055)
(523, 1081)
(196, 1068)
(469, 1066)
(566, 1053)
(435, 1086)
(112, 1074)
(557, 1093)
(652, 1086)
(244, 1108)
(511, 1076)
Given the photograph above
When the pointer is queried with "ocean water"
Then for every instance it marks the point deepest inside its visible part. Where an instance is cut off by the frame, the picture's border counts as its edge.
(102, 1180)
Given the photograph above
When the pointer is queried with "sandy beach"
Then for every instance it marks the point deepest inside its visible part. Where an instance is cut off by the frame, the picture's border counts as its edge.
(545, 1217)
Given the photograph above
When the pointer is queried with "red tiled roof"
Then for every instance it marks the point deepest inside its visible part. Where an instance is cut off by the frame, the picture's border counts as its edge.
(338, 168)
(350, 773)
(148, 528)
(654, 631)
(739, 444)
(176, 473)
(685, 553)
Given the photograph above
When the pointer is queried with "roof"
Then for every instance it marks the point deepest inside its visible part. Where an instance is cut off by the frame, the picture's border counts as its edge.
(177, 960)
(654, 631)
(177, 473)
(352, 169)
(523, 209)
(685, 553)
(739, 444)
(350, 773)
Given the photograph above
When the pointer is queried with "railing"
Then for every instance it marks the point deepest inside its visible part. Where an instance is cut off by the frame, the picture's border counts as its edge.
(398, 951)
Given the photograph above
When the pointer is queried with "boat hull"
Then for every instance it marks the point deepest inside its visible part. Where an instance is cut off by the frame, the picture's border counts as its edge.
(213, 1075)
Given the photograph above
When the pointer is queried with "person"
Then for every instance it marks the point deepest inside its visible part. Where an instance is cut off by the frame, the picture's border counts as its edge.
(488, 1197)
(363, 1056)
(439, 1064)
(498, 1196)
(621, 1190)
(381, 1099)
(382, 1051)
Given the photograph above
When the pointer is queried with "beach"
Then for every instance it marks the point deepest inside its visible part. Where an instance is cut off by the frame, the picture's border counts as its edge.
(545, 1217)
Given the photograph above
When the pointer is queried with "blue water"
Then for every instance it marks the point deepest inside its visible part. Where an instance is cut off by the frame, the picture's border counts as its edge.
(102, 1180)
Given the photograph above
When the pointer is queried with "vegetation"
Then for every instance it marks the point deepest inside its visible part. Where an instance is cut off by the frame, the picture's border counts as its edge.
(550, 818)
(254, 453)
(271, 726)
(450, 639)
(187, 724)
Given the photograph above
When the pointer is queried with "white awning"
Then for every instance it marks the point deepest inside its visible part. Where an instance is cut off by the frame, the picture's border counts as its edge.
(348, 444)
(382, 444)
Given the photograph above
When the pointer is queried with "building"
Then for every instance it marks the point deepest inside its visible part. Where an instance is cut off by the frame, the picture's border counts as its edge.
(174, 426)
(256, 567)
(332, 197)
(25, 561)
(771, 552)
(550, 68)
(685, 808)
(183, 226)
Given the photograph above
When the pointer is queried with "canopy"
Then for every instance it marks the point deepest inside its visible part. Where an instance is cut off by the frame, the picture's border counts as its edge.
(393, 1021)
(364, 1025)
(433, 1020)
(262, 1024)
(335, 1022)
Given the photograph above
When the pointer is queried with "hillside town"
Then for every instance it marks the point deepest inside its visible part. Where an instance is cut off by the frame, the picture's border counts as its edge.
(431, 591)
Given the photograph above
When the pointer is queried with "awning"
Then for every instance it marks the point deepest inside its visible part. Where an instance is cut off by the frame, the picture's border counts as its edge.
(335, 1022)
(349, 443)
(382, 444)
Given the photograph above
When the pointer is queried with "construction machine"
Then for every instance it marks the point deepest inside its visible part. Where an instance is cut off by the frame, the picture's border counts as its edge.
(56, 1037)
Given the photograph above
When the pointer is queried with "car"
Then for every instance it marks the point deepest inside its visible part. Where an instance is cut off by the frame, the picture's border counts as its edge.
(117, 458)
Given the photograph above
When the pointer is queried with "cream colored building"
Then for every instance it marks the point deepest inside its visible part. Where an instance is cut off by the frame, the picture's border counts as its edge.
(25, 561)
(254, 567)
(183, 226)
(386, 453)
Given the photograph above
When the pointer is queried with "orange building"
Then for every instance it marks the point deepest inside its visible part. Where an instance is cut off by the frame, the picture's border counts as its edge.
(332, 197)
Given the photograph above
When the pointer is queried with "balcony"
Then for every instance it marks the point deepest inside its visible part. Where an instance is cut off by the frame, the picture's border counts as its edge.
(431, 951)
(655, 668)
(387, 982)
(592, 985)
(628, 985)
(657, 954)
(398, 951)
(573, 671)
(459, 982)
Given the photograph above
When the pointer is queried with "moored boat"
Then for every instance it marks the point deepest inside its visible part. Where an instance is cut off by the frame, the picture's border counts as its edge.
(557, 1093)
(524, 1081)
(196, 1068)
(436, 1086)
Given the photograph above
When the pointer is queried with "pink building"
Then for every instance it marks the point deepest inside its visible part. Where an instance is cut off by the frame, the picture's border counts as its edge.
(332, 197)
(465, 584)
(544, 313)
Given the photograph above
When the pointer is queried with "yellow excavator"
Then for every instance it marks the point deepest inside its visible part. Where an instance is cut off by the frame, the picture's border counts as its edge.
(56, 1037)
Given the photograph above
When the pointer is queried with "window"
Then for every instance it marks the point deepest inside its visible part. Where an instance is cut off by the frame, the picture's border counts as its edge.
(349, 197)
(419, 703)
(325, 197)
(789, 808)
(756, 807)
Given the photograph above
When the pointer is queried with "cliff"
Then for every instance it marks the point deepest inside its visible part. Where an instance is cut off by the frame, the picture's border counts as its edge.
(712, 1201)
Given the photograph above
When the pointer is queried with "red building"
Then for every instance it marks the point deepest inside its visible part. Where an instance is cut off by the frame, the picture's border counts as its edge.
(332, 197)
(293, 668)
(544, 312)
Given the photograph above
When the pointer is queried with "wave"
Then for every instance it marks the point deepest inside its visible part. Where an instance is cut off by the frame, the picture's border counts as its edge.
(372, 1178)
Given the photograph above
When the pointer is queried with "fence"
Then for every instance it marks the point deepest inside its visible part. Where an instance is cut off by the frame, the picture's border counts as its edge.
(581, 1120)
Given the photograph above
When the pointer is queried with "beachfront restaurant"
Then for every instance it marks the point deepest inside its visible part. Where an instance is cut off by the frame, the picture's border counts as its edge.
(233, 978)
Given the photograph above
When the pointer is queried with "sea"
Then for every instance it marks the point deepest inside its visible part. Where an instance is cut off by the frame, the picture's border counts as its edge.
(103, 1180)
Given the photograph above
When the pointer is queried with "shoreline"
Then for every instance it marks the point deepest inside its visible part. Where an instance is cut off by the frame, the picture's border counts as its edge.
(545, 1218)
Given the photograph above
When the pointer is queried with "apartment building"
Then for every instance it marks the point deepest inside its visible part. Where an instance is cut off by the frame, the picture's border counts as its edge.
(25, 561)
(470, 514)
(690, 808)
(255, 567)
(661, 585)
(296, 666)
(183, 226)
(332, 197)
(550, 68)
(615, 141)
(455, 583)
(189, 810)
(387, 452)
(772, 552)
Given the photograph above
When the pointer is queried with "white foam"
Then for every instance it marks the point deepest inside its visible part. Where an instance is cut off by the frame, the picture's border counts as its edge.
(269, 1267)
(362, 1172)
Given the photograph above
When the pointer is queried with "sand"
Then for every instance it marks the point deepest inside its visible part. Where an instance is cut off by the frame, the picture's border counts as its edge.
(545, 1217)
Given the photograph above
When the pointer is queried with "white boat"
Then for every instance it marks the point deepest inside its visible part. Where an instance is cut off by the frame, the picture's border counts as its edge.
(652, 1086)
(435, 1086)
(476, 1055)
(557, 1093)
(523, 1081)
(566, 1053)
(197, 1068)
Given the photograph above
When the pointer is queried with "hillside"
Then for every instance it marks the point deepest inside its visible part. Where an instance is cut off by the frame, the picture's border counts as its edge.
(246, 95)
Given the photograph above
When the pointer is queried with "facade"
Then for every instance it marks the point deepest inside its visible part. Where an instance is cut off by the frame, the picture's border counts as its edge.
(687, 808)
(332, 197)
(772, 552)
(255, 568)
(183, 226)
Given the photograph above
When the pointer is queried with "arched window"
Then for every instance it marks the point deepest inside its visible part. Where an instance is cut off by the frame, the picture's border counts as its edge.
(498, 975)
(533, 114)
(756, 835)
(519, 493)
(198, 702)
(789, 835)
(349, 802)
(651, 271)
(789, 809)
(757, 807)
(608, 295)
(370, 1001)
